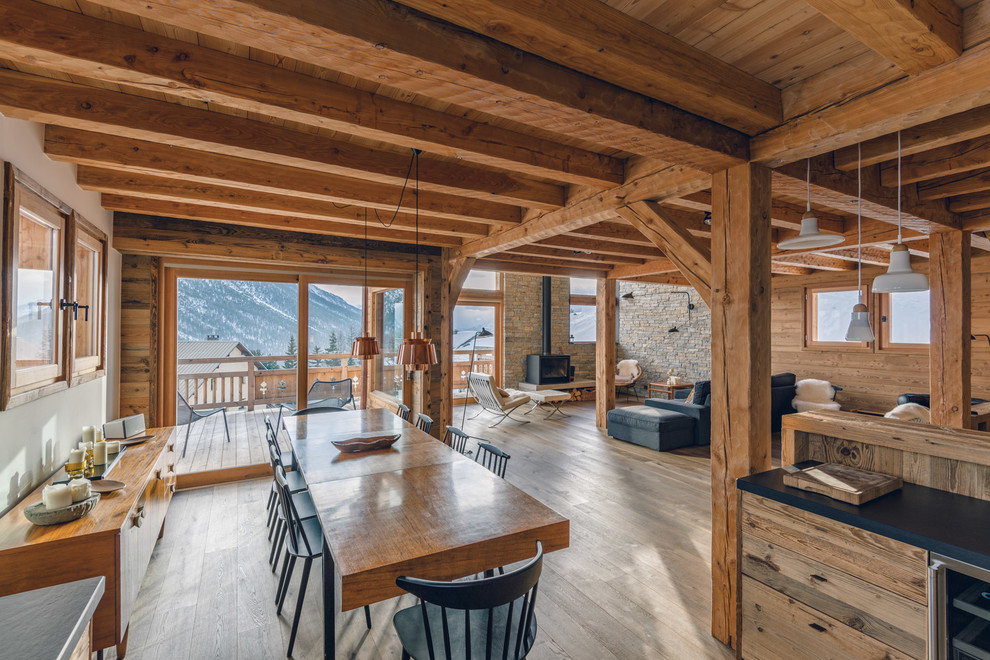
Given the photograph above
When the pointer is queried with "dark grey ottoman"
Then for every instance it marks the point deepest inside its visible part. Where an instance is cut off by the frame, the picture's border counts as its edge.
(651, 427)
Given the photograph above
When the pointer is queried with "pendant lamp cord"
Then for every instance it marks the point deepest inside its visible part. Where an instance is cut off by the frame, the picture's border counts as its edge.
(859, 215)
(416, 283)
(808, 179)
(899, 237)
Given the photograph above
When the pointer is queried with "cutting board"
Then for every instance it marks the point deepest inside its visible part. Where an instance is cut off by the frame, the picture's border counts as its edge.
(843, 483)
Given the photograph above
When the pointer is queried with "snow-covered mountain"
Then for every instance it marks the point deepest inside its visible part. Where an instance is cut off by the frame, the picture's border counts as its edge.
(262, 315)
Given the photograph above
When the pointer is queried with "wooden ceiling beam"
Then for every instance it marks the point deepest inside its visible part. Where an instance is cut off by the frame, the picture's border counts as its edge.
(816, 261)
(173, 189)
(69, 42)
(915, 36)
(838, 190)
(94, 150)
(545, 268)
(562, 262)
(950, 88)
(929, 136)
(591, 209)
(74, 106)
(977, 221)
(972, 202)
(654, 267)
(952, 159)
(171, 209)
(783, 214)
(385, 42)
(614, 231)
(785, 269)
(599, 246)
(960, 184)
(670, 279)
(596, 39)
(539, 250)
(872, 256)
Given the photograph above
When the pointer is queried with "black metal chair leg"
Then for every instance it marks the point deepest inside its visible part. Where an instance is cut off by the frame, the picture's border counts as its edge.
(225, 427)
(299, 603)
(273, 530)
(272, 513)
(276, 545)
(279, 544)
(287, 569)
(185, 445)
(367, 616)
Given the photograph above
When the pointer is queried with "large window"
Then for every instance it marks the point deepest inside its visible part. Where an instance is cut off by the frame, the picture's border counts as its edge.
(827, 316)
(391, 326)
(54, 325)
(583, 311)
(906, 320)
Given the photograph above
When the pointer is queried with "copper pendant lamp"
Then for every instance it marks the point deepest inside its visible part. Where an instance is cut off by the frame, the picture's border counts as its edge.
(417, 352)
(365, 347)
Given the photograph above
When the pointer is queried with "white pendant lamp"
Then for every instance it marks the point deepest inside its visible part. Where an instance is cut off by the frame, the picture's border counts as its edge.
(859, 324)
(900, 277)
(809, 236)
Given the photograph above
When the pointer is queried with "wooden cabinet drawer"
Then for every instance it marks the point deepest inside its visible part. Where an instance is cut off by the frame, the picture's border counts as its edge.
(776, 627)
(881, 614)
(140, 532)
(892, 565)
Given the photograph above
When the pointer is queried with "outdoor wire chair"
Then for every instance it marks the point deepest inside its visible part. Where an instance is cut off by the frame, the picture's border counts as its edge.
(324, 394)
(186, 414)
(489, 618)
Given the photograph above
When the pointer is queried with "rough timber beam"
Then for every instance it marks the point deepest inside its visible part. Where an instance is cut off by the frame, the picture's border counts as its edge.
(950, 160)
(385, 42)
(590, 209)
(599, 246)
(691, 256)
(503, 266)
(655, 267)
(66, 41)
(915, 36)
(837, 190)
(950, 88)
(816, 261)
(596, 39)
(74, 106)
(355, 229)
(168, 188)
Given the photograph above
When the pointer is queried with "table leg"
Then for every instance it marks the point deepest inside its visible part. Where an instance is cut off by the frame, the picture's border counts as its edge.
(329, 605)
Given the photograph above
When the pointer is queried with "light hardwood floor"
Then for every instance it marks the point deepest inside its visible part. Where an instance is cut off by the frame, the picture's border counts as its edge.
(635, 582)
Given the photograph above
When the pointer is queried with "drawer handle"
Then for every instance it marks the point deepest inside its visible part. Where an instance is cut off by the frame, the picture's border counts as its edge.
(171, 467)
(139, 515)
(158, 474)
(819, 578)
(817, 627)
(171, 447)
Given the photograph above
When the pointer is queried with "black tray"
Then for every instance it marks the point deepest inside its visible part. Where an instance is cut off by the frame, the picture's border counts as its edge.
(99, 471)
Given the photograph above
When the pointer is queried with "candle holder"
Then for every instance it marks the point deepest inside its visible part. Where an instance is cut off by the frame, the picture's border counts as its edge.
(75, 469)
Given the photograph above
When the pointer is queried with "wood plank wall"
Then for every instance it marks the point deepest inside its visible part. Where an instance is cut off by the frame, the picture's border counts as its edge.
(870, 380)
(139, 336)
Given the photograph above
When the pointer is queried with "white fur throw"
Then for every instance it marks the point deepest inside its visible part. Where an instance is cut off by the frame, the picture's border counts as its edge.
(627, 368)
(812, 390)
(911, 412)
(809, 406)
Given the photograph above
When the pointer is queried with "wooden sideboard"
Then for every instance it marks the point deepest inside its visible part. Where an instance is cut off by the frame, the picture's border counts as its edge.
(114, 541)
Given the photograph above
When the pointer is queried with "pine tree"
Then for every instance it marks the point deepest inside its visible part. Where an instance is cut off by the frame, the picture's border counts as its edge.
(333, 347)
(316, 351)
(290, 350)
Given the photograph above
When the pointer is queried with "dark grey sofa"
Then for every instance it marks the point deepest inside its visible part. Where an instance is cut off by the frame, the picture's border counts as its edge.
(700, 411)
(783, 389)
(651, 427)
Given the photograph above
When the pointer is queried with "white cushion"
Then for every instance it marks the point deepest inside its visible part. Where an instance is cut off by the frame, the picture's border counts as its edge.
(911, 412)
(628, 368)
(515, 400)
(810, 389)
(809, 406)
(624, 380)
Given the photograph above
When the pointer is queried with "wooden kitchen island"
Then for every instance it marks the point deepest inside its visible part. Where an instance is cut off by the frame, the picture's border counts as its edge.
(114, 541)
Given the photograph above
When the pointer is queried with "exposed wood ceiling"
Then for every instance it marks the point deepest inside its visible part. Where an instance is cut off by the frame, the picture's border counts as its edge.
(544, 126)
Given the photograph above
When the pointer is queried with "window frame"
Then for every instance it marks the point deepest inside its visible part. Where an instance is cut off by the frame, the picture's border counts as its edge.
(883, 337)
(810, 319)
(20, 191)
(581, 300)
(90, 236)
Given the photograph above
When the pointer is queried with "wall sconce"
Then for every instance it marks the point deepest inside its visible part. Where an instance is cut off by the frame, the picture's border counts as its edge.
(628, 296)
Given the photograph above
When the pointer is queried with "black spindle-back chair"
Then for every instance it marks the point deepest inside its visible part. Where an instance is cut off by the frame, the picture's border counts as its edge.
(456, 439)
(402, 411)
(424, 423)
(489, 618)
(492, 458)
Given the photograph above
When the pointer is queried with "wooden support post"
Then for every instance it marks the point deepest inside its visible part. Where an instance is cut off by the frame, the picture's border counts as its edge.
(951, 302)
(455, 271)
(740, 369)
(605, 352)
(302, 346)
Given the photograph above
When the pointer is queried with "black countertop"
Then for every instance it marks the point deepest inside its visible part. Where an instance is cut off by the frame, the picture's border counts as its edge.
(49, 622)
(953, 525)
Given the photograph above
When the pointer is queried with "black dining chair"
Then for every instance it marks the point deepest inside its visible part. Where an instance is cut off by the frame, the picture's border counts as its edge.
(424, 423)
(402, 411)
(492, 458)
(286, 458)
(489, 618)
(186, 414)
(303, 504)
(303, 540)
(296, 482)
(456, 439)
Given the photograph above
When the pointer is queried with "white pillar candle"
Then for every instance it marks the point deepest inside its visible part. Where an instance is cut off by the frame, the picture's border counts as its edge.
(100, 453)
(75, 456)
(56, 496)
(113, 446)
(81, 489)
(89, 433)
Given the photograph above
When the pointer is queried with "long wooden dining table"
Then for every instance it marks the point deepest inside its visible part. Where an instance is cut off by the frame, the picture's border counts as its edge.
(419, 509)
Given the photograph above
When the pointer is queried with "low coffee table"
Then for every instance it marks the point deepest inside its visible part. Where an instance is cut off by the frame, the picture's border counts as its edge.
(553, 398)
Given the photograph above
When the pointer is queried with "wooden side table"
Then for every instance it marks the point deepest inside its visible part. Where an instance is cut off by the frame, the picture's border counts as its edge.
(665, 389)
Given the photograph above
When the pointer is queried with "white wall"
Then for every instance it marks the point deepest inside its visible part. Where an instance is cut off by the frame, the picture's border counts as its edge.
(35, 438)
